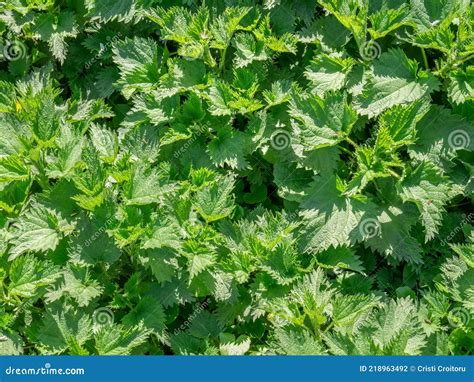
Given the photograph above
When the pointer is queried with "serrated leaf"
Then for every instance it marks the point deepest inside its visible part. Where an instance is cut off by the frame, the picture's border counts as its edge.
(325, 121)
(39, 230)
(461, 85)
(395, 80)
(139, 62)
(429, 190)
(29, 275)
(328, 73)
(215, 202)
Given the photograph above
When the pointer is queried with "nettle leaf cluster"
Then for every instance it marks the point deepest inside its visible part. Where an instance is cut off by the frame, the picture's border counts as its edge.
(236, 177)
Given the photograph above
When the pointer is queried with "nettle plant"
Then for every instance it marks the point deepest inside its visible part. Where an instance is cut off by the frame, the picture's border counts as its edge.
(236, 177)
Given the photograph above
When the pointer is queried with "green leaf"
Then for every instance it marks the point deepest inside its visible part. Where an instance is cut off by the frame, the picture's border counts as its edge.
(324, 122)
(248, 50)
(292, 341)
(39, 230)
(7, 97)
(62, 328)
(107, 10)
(392, 321)
(215, 202)
(341, 257)
(198, 261)
(69, 145)
(105, 142)
(147, 185)
(30, 276)
(230, 147)
(328, 73)
(389, 234)
(164, 236)
(386, 21)
(11, 344)
(347, 310)
(430, 191)
(226, 24)
(139, 61)
(440, 135)
(78, 284)
(116, 340)
(350, 13)
(55, 30)
(92, 244)
(400, 122)
(395, 80)
(238, 347)
(330, 218)
(461, 85)
(149, 313)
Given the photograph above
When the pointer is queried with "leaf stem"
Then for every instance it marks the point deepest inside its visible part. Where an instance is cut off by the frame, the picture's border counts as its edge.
(329, 327)
(394, 164)
(393, 173)
(425, 59)
(349, 140)
(345, 150)
(222, 62)
(467, 58)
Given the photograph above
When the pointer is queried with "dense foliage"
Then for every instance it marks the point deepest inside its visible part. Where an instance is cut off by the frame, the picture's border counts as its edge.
(236, 177)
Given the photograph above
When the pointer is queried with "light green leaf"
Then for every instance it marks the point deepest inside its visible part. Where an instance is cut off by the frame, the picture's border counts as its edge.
(39, 230)
(328, 73)
(215, 202)
(324, 121)
(395, 80)
(429, 190)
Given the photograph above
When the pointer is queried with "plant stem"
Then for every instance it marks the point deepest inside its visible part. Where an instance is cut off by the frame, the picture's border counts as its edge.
(345, 150)
(329, 327)
(349, 140)
(467, 58)
(393, 173)
(425, 59)
(222, 62)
